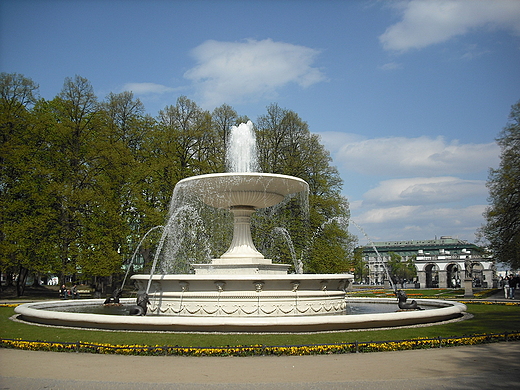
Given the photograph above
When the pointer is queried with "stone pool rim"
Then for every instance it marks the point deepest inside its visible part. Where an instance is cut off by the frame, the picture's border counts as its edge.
(35, 312)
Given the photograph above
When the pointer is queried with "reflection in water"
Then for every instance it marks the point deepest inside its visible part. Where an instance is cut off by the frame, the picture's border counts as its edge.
(113, 310)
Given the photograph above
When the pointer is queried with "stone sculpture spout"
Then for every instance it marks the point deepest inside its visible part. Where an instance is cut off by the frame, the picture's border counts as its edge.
(403, 305)
(142, 305)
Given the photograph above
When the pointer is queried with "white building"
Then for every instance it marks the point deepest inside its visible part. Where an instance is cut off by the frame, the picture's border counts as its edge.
(440, 263)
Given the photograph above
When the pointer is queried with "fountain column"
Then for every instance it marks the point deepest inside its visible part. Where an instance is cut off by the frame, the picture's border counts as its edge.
(242, 246)
(242, 257)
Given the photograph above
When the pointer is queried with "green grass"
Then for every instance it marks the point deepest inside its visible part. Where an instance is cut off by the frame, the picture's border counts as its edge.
(488, 319)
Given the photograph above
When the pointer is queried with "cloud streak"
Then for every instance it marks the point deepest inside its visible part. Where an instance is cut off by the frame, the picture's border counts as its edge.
(231, 72)
(420, 222)
(425, 23)
(422, 191)
(400, 156)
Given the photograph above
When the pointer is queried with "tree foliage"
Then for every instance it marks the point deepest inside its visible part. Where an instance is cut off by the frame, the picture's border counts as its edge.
(286, 146)
(20, 219)
(401, 270)
(502, 228)
(83, 180)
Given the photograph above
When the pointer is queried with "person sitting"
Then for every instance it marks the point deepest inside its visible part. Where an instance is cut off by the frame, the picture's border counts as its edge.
(74, 292)
(64, 292)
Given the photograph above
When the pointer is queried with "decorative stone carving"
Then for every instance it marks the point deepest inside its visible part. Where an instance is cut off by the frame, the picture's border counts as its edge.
(259, 285)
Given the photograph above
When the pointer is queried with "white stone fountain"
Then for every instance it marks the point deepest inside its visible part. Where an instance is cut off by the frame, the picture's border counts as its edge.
(241, 290)
(242, 282)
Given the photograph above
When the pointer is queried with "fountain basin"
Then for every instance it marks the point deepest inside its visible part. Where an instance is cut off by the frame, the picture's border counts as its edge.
(444, 310)
(257, 190)
(269, 295)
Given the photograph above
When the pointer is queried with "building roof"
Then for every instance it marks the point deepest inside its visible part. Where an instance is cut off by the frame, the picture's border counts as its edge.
(413, 246)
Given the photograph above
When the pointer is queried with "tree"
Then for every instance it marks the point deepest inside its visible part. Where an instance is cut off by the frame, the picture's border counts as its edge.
(502, 228)
(20, 220)
(82, 181)
(194, 140)
(122, 170)
(401, 270)
(361, 270)
(17, 94)
(286, 146)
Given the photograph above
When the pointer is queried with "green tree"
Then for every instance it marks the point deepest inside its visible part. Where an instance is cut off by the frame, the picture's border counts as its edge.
(82, 181)
(17, 94)
(286, 146)
(399, 269)
(121, 163)
(502, 228)
(20, 178)
(77, 118)
(194, 140)
(361, 270)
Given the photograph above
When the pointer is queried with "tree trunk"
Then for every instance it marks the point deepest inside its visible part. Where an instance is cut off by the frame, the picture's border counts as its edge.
(20, 281)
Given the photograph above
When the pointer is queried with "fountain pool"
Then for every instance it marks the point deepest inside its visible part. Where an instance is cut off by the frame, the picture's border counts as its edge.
(42, 313)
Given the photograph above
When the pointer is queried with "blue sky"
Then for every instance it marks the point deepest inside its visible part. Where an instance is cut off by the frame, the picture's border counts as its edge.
(408, 96)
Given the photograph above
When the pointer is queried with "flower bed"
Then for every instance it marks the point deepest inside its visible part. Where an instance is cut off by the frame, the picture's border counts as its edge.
(260, 350)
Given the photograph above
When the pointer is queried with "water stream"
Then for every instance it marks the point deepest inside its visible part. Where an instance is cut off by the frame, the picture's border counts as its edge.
(377, 254)
(135, 254)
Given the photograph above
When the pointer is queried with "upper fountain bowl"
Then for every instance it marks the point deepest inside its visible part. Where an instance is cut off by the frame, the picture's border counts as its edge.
(258, 190)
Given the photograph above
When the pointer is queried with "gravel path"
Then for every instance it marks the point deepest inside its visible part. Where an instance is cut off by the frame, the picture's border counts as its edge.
(491, 366)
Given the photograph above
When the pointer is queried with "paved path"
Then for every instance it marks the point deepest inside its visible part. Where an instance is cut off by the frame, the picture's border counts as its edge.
(491, 366)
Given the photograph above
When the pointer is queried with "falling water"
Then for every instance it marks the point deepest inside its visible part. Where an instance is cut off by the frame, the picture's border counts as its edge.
(342, 222)
(377, 253)
(181, 238)
(135, 254)
(298, 264)
(241, 153)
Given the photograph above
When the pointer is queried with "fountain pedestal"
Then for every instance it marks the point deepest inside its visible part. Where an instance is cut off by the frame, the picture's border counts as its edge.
(468, 288)
(242, 258)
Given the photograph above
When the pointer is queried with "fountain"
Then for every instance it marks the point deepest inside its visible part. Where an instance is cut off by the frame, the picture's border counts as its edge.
(241, 290)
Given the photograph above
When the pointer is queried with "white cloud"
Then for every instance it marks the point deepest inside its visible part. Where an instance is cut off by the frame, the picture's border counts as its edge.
(426, 22)
(389, 214)
(400, 156)
(146, 88)
(391, 66)
(228, 72)
(432, 187)
(422, 191)
(420, 222)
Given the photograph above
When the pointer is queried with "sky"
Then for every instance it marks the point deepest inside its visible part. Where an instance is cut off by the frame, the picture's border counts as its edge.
(408, 96)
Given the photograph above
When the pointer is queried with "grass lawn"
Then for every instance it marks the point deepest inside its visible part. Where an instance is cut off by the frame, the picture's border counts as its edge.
(495, 318)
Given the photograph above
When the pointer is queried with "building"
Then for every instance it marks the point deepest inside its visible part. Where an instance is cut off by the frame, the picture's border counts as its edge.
(440, 263)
